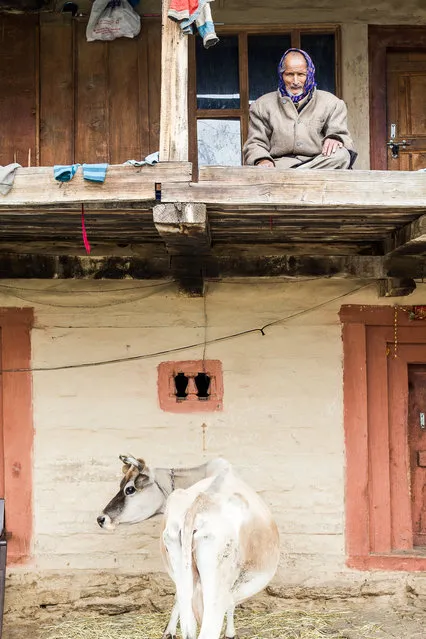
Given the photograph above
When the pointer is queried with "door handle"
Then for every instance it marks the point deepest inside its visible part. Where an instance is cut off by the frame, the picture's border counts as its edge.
(394, 146)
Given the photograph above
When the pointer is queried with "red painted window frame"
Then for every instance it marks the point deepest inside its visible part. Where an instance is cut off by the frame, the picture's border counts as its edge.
(17, 433)
(166, 386)
(368, 337)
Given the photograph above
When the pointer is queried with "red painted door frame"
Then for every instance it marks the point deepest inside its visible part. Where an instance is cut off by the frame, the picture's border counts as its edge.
(16, 430)
(377, 491)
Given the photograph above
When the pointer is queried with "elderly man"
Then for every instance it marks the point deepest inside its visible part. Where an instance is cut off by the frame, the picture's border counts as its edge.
(298, 126)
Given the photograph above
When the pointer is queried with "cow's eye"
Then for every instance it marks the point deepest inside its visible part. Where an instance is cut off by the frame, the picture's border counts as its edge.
(129, 490)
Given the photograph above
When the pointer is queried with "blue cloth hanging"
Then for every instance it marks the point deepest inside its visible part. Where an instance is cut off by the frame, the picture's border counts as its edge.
(95, 172)
(65, 172)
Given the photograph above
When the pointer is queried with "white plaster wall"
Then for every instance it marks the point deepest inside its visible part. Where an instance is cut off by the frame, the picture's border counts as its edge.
(282, 423)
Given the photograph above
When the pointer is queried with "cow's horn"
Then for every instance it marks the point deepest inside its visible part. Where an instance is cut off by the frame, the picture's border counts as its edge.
(129, 459)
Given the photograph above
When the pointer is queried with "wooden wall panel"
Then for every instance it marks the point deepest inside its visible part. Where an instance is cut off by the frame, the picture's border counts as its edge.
(96, 101)
(56, 91)
(124, 111)
(92, 104)
(18, 95)
(153, 35)
(143, 78)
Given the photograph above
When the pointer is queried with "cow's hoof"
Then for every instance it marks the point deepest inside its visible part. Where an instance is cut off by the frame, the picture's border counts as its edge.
(169, 637)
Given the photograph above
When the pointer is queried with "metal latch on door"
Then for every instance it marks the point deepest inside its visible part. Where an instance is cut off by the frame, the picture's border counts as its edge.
(422, 421)
(393, 144)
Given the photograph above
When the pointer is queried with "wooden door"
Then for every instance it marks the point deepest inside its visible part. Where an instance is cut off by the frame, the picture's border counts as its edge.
(417, 447)
(406, 112)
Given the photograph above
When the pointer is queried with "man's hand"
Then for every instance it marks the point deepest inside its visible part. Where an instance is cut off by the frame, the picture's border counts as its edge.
(268, 164)
(330, 146)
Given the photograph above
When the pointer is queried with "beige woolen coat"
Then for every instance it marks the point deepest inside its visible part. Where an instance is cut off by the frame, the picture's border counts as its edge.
(277, 129)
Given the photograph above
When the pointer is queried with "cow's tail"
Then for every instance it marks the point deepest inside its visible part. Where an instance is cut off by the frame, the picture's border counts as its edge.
(191, 605)
(190, 611)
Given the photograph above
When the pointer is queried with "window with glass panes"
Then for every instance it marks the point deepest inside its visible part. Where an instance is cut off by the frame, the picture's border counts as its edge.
(227, 78)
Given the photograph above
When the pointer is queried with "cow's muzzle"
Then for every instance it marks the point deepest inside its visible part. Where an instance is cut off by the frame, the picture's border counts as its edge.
(105, 521)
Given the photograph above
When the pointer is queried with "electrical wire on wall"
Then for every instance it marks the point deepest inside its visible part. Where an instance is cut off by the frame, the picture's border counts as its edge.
(205, 325)
(204, 343)
(151, 290)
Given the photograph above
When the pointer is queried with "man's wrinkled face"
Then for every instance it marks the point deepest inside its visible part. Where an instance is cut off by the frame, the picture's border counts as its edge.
(295, 73)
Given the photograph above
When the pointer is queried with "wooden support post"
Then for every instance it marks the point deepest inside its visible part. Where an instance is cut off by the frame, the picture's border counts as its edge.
(174, 91)
(185, 231)
(409, 240)
(396, 287)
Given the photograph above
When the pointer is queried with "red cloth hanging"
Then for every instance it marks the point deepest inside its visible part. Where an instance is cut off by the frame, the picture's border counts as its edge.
(83, 230)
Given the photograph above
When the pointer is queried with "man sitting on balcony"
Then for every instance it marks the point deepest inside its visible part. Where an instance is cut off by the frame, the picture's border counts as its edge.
(298, 126)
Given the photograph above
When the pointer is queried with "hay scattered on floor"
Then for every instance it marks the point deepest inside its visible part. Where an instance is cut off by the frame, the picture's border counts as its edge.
(283, 624)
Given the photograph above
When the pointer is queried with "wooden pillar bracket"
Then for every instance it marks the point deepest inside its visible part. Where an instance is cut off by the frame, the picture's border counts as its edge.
(185, 230)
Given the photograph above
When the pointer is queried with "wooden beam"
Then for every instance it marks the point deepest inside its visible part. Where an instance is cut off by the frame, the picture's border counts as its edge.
(410, 240)
(396, 287)
(157, 265)
(36, 186)
(304, 189)
(185, 231)
(174, 90)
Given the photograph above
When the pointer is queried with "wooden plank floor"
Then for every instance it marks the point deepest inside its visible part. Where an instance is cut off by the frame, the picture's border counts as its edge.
(345, 212)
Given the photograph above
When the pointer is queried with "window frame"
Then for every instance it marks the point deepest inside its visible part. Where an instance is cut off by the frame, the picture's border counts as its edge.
(168, 401)
(242, 113)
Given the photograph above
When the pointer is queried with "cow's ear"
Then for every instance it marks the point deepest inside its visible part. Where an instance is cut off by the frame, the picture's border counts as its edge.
(125, 468)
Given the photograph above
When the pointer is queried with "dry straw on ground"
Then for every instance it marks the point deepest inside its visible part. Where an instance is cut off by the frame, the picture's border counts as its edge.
(283, 624)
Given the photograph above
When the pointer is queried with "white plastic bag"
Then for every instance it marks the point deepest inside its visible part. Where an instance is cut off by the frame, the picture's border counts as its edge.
(111, 19)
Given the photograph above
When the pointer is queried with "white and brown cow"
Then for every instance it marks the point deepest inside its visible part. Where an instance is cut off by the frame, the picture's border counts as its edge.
(219, 542)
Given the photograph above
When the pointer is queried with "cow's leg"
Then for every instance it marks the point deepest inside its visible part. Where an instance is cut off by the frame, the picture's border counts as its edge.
(170, 631)
(230, 625)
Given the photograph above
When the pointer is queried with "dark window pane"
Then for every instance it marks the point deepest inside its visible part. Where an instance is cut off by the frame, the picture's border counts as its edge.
(320, 47)
(264, 54)
(219, 142)
(218, 84)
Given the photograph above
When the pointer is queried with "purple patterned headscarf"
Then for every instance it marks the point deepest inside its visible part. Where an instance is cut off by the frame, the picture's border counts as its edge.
(310, 83)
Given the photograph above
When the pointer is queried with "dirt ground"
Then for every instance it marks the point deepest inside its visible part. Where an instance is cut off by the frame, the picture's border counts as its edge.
(328, 620)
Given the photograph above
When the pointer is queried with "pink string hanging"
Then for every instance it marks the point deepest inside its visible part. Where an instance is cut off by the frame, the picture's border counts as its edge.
(83, 230)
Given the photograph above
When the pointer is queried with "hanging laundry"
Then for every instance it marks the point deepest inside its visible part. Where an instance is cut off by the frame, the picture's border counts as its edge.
(151, 159)
(111, 19)
(65, 172)
(198, 12)
(7, 176)
(95, 172)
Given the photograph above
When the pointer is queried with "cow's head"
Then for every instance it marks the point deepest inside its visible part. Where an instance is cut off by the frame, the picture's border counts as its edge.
(138, 499)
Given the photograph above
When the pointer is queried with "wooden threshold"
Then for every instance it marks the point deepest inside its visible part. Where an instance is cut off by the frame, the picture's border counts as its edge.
(36, 186)
(302, 189)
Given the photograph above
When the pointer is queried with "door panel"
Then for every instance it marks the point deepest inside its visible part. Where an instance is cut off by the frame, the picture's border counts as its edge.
(406, 96)
(417, 446)
(406, 376)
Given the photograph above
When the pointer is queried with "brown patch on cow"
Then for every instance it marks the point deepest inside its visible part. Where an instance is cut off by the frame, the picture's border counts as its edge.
(259, 544)
(132, 473)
